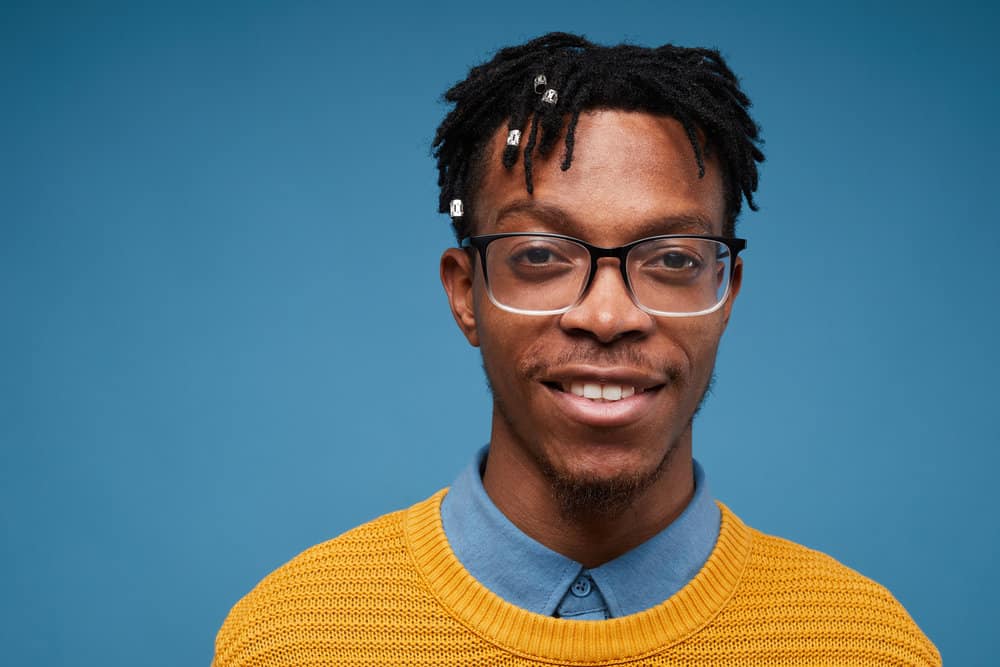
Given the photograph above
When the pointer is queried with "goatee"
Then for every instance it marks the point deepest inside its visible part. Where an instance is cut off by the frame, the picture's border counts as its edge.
(583, 499)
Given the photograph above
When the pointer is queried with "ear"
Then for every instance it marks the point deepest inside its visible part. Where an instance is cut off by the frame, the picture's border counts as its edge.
(457, 274)
(734, 289)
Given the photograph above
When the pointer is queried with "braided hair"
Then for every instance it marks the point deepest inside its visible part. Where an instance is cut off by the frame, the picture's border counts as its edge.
(557, 76)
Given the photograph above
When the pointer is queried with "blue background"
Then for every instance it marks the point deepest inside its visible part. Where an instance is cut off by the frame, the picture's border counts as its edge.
(223, 338)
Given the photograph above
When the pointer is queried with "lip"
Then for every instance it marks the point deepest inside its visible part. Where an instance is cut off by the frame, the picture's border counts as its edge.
(604, 414)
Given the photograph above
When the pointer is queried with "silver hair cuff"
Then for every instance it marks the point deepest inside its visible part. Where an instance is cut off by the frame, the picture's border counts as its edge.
(456, 209)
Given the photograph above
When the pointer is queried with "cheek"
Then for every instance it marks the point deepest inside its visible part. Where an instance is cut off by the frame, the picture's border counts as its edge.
(513, 346)
(698, 340)
(498, 339)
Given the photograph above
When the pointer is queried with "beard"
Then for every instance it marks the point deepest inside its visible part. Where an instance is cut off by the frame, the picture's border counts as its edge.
(582, 498)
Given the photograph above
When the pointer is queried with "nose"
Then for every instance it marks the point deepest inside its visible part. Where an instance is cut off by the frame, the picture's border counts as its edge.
(607, 311)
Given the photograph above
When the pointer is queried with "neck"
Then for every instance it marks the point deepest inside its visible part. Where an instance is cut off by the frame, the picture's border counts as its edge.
(520, 489)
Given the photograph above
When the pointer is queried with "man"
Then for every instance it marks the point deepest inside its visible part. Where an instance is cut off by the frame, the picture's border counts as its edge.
(594, 192)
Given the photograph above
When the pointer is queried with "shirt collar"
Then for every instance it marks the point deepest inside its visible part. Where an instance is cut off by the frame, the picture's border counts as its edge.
(528, 574)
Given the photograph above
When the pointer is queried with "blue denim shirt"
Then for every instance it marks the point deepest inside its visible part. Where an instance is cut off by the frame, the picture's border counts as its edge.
(530, 575)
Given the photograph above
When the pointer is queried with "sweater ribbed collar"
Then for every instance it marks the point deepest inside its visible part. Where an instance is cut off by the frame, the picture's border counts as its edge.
(530, 575)
(545, 638)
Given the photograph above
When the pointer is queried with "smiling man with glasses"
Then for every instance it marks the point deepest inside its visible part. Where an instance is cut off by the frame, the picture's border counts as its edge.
(594, 193)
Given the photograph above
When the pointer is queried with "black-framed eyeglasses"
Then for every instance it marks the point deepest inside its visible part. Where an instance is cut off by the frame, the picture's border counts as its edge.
(673, 275)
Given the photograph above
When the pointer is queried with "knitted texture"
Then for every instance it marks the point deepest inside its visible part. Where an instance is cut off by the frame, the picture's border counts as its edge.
(391, 592)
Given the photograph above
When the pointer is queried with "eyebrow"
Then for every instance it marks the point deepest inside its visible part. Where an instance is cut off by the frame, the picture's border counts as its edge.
(563, 222)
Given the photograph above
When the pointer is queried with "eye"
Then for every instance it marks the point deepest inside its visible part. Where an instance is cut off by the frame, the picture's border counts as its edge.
(672, 261)
(535, 259)
(535, 255)
(675, 259)
(678, 260)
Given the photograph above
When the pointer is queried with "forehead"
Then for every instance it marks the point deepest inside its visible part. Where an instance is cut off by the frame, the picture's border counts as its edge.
(633, 174)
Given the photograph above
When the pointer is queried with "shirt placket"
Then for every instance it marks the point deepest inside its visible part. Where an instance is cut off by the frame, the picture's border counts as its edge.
(583, 600)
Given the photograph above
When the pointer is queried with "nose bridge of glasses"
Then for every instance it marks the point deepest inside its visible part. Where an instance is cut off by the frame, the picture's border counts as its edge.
(607, 307)
(607, 259)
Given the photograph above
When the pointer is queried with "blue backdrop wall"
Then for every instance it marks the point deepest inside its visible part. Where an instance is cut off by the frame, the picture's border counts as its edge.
(223, 338)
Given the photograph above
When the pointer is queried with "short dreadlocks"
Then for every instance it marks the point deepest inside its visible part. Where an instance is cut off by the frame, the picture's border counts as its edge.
(559, 75)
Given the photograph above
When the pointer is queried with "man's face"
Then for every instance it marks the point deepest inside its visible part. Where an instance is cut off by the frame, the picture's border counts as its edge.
(633, 175)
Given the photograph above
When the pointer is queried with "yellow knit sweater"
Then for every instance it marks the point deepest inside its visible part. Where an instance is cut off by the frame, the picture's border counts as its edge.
(391, 592)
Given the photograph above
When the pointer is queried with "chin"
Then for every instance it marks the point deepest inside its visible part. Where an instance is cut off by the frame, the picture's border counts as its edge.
(588, 488)
(603, 461)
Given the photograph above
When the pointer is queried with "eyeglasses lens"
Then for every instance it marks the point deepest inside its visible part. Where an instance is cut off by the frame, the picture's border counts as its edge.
(679, 275)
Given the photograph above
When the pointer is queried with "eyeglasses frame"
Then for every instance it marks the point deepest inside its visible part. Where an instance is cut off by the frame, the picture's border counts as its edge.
(481, 243)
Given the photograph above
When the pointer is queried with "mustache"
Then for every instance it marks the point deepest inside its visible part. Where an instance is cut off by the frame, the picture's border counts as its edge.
(537, 365)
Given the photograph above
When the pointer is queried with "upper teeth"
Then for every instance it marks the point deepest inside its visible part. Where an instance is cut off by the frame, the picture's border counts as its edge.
(594, 390)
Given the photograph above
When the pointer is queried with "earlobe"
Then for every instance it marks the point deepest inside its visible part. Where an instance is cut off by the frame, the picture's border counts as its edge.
(457, 273)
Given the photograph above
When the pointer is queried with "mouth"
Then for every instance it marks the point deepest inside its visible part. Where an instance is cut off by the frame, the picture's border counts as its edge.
(604, 404)
(600, 392)
(605, 397)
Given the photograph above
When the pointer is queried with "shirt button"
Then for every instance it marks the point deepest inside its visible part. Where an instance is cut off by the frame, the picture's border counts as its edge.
(581, 587)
